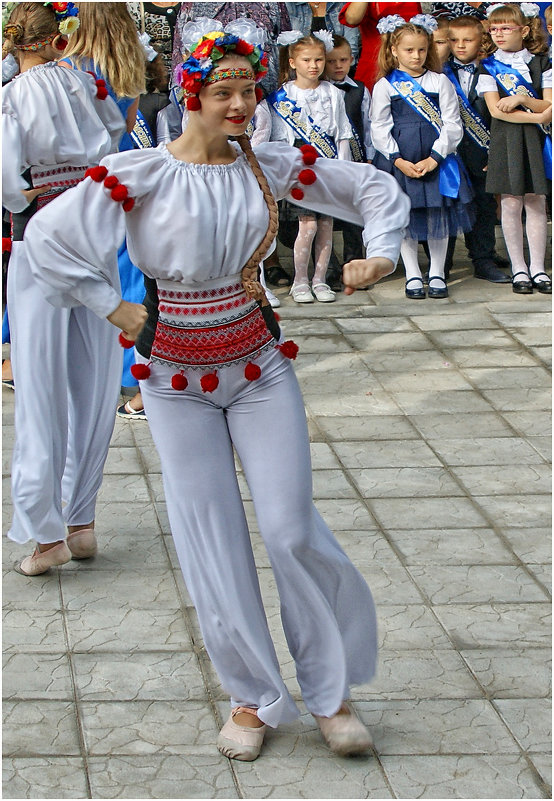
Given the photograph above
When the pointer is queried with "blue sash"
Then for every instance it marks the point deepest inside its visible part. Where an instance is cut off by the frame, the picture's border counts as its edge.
(474, 124)
(415, 96)
(302, 125)
(141, 133)
(356, 146)
(514, 83)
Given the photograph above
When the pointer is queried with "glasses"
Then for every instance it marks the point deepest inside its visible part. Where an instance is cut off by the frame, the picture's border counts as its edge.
(505, 29)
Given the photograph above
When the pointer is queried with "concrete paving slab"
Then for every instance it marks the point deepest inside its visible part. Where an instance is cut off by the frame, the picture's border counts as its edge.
(430, 426)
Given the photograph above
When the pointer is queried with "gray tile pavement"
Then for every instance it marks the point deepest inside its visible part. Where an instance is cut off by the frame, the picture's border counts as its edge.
(430, 427)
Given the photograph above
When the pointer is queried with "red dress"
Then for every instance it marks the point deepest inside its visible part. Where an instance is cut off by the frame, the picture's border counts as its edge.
(366, 70)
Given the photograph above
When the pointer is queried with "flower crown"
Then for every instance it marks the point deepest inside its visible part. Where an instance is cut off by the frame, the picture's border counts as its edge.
(66, 17)
(394, 21)
(291, 37)
(207, 43)
(527, 9)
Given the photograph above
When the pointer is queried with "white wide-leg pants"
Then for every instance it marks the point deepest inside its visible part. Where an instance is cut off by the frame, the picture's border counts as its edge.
(326, 607)
(67, 373)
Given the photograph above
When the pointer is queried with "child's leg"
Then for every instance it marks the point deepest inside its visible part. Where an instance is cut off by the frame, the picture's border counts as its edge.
(408, 251)
(307, 229)
(512, 228)
(437, 258)
(535, 226)
(323, 245)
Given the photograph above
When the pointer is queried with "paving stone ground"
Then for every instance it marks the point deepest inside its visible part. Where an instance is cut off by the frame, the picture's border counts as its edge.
(430, 425)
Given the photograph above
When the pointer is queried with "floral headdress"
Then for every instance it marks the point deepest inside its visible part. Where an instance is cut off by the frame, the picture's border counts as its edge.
(394, 21)
(207, 43)
(66, 17)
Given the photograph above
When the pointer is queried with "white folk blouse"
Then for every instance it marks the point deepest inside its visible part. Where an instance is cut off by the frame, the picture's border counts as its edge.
(51, 117)
(191, 223)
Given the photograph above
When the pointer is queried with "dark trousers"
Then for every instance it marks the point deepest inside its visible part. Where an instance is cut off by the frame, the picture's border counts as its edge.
(481, 240)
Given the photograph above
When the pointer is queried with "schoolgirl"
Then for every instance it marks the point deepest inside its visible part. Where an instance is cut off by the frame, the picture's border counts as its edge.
(307, 110)
(195, 212)
(516, 82)
(66, 362)
(415, 128)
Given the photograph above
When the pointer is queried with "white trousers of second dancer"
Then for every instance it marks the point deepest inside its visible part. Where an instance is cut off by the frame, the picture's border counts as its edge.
(326, 607)
(67, 374)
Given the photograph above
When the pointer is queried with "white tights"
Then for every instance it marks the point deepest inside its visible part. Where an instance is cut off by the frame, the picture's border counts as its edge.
(437, 253)
(322, 230)
(535, 225)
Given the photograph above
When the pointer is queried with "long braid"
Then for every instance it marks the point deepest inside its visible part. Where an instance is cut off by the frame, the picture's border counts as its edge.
(250, 270)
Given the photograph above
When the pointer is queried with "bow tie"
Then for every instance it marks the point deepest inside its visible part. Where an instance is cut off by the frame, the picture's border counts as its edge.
(466, 68)
(344, 86)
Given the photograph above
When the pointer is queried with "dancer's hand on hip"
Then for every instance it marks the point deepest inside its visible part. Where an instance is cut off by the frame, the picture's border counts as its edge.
(130, 318)
(361, 272)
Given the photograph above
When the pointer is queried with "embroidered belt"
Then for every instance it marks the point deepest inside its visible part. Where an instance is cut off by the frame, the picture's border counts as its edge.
(58, 178)
(212, 326)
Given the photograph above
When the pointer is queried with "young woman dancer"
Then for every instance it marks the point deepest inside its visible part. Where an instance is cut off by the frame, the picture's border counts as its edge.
(199, 214)
(415, 128)
(516, 82)
(309, 110)
(66, 362)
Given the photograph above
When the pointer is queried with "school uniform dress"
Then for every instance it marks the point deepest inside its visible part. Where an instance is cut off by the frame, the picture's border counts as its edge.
(241, 393)
(398, 130)
(515, 158)
(66, 361)
(481, 240)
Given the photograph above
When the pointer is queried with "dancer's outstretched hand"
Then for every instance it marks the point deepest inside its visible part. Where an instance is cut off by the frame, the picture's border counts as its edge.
(361, 272)
(130, 317)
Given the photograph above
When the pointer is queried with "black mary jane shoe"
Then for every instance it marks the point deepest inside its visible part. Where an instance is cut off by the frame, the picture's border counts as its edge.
(415, 294)
(522, 287)
(543, 284)
(437, 291)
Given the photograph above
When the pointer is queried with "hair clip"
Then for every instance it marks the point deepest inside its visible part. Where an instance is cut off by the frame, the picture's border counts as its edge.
(425, 21)
(390, 23)
(327, 38)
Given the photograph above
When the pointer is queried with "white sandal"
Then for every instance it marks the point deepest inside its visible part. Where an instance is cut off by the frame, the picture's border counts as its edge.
(241, 742)
(324, 293)
(301, 293)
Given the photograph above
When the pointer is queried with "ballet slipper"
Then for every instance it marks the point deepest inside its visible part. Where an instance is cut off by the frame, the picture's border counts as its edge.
(240, 742)
(40, 561)
(345, 734)
(82, 543)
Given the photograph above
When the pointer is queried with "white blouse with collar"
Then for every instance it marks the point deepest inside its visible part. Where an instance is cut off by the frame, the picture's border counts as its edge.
(519, 61)
(51, 117)
(194, 222)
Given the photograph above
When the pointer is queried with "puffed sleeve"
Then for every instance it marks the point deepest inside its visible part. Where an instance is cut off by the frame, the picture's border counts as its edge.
(72, 245)
(357, 193)
(366, 119)
(12, 164)
(344, 129)
(382, 122)
(452, 131)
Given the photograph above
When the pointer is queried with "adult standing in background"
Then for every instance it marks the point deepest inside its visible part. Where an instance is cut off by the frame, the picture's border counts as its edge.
(451, 10)
(271, 17)
(310, 17)
(158, 20)
(366, 16)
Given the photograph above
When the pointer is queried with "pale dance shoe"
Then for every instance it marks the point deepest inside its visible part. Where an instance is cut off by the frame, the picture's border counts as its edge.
(345, 734)
(40, 561)
(240, 742)
(82, 543)
(324, 293)
(274, 301)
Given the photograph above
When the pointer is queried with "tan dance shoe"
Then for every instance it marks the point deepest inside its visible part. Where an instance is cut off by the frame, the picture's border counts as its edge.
(240, 742)
(344, 733)
(40, 561)
(82, 543)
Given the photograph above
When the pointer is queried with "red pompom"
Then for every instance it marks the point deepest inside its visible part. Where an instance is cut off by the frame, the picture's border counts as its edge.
(297, 194)
(96, 173)
(140, 371)
(307, 177)
(209, 382)
(101, 92)
(179, 382)
(193, 103)
(277, 316)
(120, 193)
(128, 204)
(243, 48)
(110, 182)
(259, 94)
(289, 349)
(309, 154)
(125, 343)
(100, 81)
(6, 244)
(252, 371)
